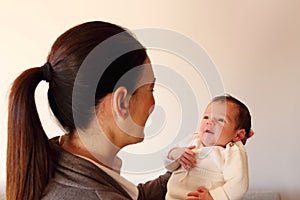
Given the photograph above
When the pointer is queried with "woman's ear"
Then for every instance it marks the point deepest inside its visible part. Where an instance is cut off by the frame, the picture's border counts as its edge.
(121, 103)
(240, 135)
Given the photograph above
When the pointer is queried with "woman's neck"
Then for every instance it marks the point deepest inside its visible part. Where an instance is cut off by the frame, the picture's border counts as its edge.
(94, 146)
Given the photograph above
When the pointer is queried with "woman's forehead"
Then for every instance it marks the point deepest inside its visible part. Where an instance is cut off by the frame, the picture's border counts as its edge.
(147, 75)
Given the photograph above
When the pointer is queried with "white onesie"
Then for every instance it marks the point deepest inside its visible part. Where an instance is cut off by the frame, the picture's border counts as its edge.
(223, 171)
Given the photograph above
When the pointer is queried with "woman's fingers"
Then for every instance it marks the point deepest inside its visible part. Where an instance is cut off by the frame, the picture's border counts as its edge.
(193, 194)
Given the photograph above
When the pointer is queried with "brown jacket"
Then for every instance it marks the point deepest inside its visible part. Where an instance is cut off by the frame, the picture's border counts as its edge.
(79, 179)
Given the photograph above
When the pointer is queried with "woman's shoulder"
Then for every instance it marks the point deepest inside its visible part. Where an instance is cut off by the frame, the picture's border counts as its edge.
(57, 191)
(75, 177)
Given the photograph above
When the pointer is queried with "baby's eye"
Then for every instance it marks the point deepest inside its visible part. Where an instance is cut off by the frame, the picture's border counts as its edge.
(221, 120)
(205, 117)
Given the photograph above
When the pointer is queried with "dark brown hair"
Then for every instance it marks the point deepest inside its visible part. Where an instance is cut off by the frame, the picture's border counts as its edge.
(29, 156)
(243, 118)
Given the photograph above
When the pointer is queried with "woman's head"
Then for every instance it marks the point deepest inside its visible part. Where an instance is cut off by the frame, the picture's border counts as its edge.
(68, 54)
(29, 154)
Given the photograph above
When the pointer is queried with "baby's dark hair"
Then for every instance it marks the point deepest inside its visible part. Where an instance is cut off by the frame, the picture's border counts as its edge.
(243, 118)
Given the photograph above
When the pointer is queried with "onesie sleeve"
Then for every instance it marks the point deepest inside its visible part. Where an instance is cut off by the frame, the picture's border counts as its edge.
(235, 173)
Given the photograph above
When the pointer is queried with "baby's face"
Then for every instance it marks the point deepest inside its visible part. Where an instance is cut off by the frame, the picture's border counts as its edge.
(218, 124)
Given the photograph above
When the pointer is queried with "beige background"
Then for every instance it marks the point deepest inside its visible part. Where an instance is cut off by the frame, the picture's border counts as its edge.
(254, 44)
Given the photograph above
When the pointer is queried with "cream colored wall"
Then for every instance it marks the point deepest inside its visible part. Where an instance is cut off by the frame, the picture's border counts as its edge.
(254, 44)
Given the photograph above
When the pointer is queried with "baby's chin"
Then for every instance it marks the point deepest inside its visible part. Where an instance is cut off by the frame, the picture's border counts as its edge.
(208, 141)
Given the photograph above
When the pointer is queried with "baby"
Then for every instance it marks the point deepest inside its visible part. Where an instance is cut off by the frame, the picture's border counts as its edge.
(215, 158)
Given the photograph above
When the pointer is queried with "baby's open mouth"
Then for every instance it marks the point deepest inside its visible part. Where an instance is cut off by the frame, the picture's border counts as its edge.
(209, 131)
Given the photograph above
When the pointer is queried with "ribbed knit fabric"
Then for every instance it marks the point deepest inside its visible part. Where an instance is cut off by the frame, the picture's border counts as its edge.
(223, 171)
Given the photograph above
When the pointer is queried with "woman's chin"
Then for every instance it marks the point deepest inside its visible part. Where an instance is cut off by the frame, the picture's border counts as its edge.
(137, 139)
(140, 140)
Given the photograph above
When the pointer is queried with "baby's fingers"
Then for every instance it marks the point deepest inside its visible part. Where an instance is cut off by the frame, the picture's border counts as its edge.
(187, 162)
(191, 150)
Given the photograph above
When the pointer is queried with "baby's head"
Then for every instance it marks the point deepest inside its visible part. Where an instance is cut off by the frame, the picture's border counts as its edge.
(226, 119)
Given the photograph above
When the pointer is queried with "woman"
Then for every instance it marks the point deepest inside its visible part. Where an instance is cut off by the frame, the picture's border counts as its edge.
(82, 164)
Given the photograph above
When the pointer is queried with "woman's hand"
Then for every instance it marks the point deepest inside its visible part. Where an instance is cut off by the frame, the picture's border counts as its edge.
(201, 194)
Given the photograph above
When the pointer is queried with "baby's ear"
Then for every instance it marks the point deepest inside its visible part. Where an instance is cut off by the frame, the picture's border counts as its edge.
(240, 135)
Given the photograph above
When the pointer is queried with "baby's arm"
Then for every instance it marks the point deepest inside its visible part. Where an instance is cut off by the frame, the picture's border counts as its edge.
(182, 155)
(185, 156)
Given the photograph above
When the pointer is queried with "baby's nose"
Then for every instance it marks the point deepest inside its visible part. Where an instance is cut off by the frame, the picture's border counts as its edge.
(209, 121)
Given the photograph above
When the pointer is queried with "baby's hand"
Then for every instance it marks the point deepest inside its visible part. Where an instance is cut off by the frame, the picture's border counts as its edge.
(188, 158)
(201, 194)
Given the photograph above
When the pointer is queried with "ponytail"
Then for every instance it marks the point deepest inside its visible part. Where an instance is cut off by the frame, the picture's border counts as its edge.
(28, 153)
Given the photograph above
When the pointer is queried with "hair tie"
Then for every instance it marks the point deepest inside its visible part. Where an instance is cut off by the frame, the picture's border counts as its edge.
(47, 72)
